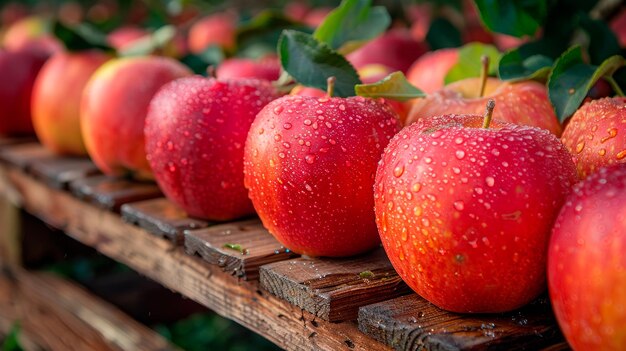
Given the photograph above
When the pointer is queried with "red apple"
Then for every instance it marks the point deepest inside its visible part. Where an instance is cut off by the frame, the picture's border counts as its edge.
(296, 10)
(596, 134)
(217, 29)
(465, 212)
(420, 16)
(587, 265)
(618, 25)
(429, 71)
(114, 108)
(195, 133)
(309, 165)
(32, 34)
(316, 16)
(524, 103)
(56, 97)
(18, 70)
(395, 49)
(266, 68)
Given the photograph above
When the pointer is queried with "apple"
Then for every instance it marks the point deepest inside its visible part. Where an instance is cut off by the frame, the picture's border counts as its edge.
(195, 134)
(395, 49)
(217, 29)
(316, 16)
(33, 34)
(266, 68)
(420, 16)
(309, 166)
(296, 10)
(12, 12)
(465, 212)
(429, 71)
(595, 135)
(618, 26)
(113, 110)
(56, 96)
(124, 37)
(18, 70)
(587, 265)
(524, 103)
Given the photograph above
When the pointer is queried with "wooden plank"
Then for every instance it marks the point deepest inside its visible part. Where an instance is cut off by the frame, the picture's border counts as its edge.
(412, 323)
(334, 289)
(22, 155)
(58, 315)
(162, 218)
(111, 193)
(286, 325)
(240, 248)
(58, 171)
(10, 240)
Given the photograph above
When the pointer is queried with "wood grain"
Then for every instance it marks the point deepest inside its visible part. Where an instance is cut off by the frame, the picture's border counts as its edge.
(58, 172)
(240, 248)
(111, 193)
(412, 323)
(286, 325)
(22, 155)
(334, 289)
(161, 217)
(76, 320)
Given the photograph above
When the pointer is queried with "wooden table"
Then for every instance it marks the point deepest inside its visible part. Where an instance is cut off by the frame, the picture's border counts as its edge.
(241, 272)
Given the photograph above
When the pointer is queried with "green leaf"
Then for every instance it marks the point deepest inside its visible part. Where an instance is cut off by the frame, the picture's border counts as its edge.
(211, 56)
(572, 78)
(395, 87)
(469, 64)
(12, 342)
(311, 63)
(602, 40)
(151, 43)
(352, 24)
(512, 17)
(442, 34)
(513, 66)
(80, 37)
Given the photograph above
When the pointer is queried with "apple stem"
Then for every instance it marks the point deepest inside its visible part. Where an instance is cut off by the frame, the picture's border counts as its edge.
(615, 86)
(488, 113)
(484, 73)
(211, 72)
(330, 86)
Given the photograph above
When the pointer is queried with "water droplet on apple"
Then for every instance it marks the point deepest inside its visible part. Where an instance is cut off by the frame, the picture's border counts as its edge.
(287, 125)
(404, 234)
(458, 141)
(580, 146)
(620, 155)
(278, 109)
(458, 205)
(310, 159)
(456, 170)
(308, 187)
(490, 181)
(398, 171)
(460, 154)
(307, 122)
(416, 187)
(417, 211)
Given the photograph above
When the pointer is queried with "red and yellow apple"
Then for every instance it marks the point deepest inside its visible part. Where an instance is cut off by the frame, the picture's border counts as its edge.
(267, 68)
(429, 71)
(524, 103)
(465, 212)
(56, 98)
(587, 265)
(114, 108)
(309, 167)
(596, 134)
(217, 29)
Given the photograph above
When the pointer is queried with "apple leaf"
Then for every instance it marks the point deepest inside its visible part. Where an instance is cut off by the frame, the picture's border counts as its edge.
(513, 17)
(469, 64)
(572, 78)
(442, 34)
(513, 66)
(352, 24)
(81, 37)
(311, 63)
(151, 43)
(395, 87)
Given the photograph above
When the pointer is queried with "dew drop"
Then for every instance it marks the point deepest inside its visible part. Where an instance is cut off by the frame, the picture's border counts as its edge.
(458, 140)
(398, 171)
(620, 155)
(417, 211)
(278, 109)
(309, 158)
(308, 187)
(307, 122)
(490, 181)
(458, 205)
(460, 154)
(287, 125)
(580, 146)
(416, 187)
